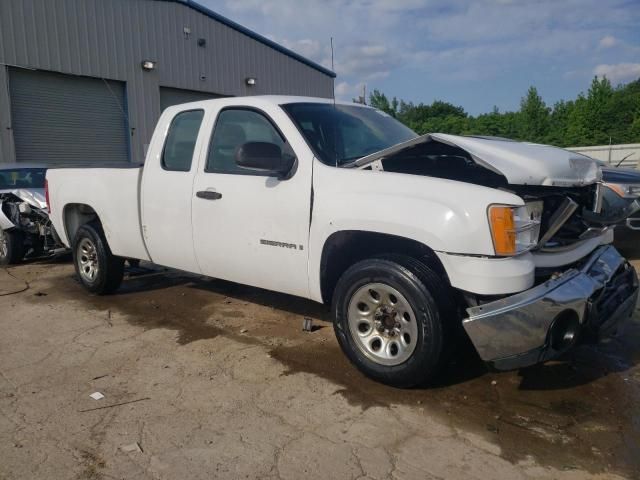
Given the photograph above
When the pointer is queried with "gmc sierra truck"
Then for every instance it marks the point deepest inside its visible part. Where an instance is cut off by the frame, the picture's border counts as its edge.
(412, 240)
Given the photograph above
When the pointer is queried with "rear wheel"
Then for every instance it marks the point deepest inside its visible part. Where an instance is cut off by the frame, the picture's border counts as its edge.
(390, 319)
(11, 247)
(99, 270)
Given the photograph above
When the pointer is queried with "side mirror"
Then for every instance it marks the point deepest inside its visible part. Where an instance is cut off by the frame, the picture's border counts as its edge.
(265, 157)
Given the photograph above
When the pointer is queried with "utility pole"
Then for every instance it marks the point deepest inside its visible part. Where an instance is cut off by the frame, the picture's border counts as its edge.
(362, 99)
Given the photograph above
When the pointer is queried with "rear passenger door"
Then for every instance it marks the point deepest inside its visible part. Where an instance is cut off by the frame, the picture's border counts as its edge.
(167, 186)
(250, 227)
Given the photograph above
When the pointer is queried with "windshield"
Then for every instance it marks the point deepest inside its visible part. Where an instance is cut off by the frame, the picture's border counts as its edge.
(341, 134)
(22, 178)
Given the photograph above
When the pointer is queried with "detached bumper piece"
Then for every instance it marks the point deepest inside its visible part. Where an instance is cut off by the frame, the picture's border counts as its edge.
(541, 323)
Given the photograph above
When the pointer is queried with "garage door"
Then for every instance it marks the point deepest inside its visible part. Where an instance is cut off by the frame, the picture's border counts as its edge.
(175, 96)
(66, 118)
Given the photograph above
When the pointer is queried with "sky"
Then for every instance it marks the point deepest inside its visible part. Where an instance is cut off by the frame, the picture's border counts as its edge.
(476, 54)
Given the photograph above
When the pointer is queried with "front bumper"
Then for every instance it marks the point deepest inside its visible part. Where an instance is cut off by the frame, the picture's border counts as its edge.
(541, 323)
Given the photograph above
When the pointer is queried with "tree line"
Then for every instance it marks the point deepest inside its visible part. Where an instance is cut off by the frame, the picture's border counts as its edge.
(606, 114)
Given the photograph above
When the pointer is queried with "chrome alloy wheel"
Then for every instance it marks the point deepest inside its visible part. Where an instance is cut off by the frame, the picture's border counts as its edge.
(382, 324)
(4, 244)
(87, 260)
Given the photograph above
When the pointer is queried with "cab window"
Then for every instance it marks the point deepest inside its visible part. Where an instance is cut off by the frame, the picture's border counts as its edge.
(233, 128)
(181, 139)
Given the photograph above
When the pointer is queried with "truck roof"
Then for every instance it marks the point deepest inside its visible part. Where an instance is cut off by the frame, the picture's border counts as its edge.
(257, 100)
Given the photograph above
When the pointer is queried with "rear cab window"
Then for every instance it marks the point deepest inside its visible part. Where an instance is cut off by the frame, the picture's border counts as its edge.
(177, 155)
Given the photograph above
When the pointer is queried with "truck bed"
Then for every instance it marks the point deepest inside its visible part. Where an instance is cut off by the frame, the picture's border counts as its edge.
(112, 192)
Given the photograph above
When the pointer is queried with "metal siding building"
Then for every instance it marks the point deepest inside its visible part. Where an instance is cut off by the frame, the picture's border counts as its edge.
(100, 104)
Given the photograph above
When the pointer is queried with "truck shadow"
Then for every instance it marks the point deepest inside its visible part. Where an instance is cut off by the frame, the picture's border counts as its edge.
(57, 259)
(586, 363)
(582, 366)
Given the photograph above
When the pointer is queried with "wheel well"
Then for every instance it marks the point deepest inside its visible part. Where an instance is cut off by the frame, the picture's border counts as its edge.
(345, 248)
(76, 215)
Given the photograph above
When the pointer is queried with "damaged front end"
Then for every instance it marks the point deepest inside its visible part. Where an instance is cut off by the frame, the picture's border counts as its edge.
(582, 288)
(562, 190)
(587, 302)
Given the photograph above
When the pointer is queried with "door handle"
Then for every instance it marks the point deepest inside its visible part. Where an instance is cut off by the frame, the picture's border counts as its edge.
(209, 195)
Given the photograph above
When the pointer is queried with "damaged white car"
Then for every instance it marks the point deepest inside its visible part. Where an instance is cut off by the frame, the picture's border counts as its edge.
(411, 240)
(25, 228)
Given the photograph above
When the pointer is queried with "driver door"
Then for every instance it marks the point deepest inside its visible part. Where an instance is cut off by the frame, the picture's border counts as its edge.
(249, 227)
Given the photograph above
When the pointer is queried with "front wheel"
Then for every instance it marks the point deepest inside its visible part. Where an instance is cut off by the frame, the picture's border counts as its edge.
(11, 247)
(98, 269)
(390, 319)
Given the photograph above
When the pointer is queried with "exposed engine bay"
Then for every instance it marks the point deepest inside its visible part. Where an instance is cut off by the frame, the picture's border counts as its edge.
(562, 216)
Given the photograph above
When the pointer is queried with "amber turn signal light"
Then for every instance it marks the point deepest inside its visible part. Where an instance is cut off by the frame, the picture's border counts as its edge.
(503, 229)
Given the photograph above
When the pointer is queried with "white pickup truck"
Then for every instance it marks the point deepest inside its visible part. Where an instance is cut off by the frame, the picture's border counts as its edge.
(411, 239)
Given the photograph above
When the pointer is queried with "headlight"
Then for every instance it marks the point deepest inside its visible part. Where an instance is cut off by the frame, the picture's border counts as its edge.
(515, 229)
(625, 190)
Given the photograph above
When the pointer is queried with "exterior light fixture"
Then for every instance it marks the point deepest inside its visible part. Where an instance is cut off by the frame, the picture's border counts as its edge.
(148, 65)
(250, 81)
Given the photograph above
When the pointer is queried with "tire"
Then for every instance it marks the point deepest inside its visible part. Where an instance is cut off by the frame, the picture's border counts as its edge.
(11, 247)
(423, 310)
(98, 269)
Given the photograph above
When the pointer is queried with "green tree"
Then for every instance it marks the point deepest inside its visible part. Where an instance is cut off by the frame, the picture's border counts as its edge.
(603, 113)
(445, 109)
(489, 124)
(380, 101)
(600, 118)
(577, 132)
(620, 114)
(558, 122)
(534, 117)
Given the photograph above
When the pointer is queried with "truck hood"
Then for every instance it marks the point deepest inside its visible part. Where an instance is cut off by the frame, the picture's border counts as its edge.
(520, 163)
(33, 196)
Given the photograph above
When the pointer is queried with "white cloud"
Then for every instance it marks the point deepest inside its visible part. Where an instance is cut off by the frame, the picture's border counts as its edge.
(443, 38)
(607, 41)
(451, 43)
(619, 72)
(347, 91)
(365, 62)
(314, 50)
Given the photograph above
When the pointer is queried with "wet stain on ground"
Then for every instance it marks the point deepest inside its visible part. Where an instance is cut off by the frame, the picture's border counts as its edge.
(579, 418)
(158, 299)
(581, 412)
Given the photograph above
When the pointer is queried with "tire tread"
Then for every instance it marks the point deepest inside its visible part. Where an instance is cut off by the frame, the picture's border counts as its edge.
(111, 267)
(436, 305)
(16, 249)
